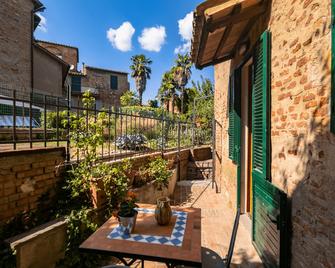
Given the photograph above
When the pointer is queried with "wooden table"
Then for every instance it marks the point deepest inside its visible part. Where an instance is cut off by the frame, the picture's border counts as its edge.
(152, 242)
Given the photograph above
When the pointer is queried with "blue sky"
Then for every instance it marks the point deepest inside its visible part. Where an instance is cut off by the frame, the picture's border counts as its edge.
(148, 26)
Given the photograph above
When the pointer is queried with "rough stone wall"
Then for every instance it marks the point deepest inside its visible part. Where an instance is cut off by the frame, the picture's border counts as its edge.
(100, 80)
(302, 146)
(225, 169)
(67, 53)
(25, 176)
(15, 43)
(48, 77)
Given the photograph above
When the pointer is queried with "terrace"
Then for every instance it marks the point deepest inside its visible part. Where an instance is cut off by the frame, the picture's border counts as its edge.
(96, 144)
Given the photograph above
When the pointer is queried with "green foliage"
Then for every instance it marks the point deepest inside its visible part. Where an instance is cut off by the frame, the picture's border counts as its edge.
(128, 205)
(129, 98)
(7, 256)
(141, 71)
(159, 171)
(167, 88)
(87, 134)
(115, 183)
(153, 103)
(79, 227)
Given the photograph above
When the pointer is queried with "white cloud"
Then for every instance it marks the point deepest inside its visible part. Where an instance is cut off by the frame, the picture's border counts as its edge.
(120, 38)
(42, 26)
(185, 26)
(184, 48)
(152, 39)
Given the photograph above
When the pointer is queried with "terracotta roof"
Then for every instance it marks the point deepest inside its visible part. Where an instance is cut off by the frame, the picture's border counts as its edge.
(58, 44)
(105, 70)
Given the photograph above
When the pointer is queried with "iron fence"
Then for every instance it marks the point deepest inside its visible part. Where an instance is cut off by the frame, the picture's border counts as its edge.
(34, 120)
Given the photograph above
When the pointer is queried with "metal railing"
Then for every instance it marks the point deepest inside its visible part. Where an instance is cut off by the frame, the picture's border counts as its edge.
(33, 120)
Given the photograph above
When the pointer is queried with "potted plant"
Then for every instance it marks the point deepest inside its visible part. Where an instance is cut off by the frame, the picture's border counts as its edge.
(127, 213)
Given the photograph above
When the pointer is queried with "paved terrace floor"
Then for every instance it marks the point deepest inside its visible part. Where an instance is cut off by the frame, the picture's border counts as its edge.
(217, 224)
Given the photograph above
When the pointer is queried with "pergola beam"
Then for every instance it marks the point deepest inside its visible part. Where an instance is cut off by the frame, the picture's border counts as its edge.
(246, 14)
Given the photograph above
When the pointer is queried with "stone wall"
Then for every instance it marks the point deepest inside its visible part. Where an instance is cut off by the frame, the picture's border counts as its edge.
(302, 146)
(99, 198)
(24, 176)
(68, 54)
(100, 79)
(15, 43)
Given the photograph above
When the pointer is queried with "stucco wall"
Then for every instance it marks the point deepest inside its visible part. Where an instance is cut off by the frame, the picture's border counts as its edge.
(302, 146)
(15, 43)
(48, 76)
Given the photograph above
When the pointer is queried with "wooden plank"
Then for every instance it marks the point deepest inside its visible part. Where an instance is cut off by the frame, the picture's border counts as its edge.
(246, 14)
(226, 33)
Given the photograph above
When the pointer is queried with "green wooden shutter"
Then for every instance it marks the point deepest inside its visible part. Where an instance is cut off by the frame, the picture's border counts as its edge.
(231, 127)
(270, 212)
(114, 82)
(332, 114)
(237, 131)
(234, 129)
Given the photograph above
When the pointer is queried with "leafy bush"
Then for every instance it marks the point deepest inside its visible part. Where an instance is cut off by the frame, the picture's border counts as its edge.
(158, 170)
(131, 142)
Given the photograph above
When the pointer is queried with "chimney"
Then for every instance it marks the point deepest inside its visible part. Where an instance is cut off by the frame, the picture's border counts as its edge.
(84, 69)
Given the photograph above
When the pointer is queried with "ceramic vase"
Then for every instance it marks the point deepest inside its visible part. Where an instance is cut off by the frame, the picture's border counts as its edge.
(163, 211)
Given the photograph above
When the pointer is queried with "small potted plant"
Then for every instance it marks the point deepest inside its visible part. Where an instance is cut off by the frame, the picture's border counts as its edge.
(127, 213)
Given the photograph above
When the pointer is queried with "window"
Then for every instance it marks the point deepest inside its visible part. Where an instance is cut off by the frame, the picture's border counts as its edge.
(76, 83)
(114, 82)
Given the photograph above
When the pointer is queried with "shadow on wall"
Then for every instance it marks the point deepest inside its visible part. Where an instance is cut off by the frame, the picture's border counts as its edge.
(305, 169)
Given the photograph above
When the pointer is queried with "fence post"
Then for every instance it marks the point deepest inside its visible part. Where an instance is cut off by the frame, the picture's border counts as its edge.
(68, 157)
(31, 120)
(14, 119)
(178, 157)
(162, 138)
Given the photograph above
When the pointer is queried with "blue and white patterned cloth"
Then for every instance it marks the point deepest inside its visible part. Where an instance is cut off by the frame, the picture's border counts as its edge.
(176, 238)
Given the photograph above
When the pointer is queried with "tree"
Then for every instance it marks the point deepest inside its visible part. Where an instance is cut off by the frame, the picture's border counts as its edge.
(204, 102)
(167, 90)
(140, 72)
(153, 103)
(182, 73)
(129, 98)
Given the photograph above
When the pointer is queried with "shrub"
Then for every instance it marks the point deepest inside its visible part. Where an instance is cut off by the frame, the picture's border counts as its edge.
(158, 170)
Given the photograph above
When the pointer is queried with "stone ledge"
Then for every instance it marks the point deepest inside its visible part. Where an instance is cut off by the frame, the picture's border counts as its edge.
(33, 151)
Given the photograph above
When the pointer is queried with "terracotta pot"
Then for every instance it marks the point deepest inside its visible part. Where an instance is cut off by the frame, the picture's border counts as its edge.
(163, 211)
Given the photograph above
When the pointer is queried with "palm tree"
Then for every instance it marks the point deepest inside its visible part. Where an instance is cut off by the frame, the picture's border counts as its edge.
(141, 72)
(167, 90)
(182, 73)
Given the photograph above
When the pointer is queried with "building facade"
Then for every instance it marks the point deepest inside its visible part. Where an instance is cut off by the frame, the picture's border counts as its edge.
(106, 85)
(50, 72)
(16, 31)
(274, 121)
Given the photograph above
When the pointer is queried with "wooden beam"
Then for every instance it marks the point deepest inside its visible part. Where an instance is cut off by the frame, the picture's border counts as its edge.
(216, 61)
(226, 33)
(203, 39)
(246, 14)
